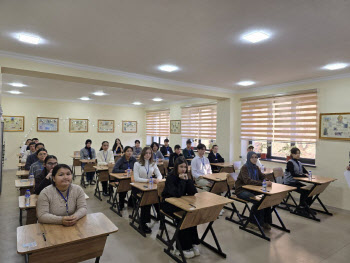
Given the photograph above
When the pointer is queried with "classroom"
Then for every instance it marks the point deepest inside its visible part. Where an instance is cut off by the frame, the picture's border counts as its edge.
(175, 131)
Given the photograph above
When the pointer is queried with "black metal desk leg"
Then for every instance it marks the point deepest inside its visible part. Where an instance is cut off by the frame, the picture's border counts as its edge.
(218, 248)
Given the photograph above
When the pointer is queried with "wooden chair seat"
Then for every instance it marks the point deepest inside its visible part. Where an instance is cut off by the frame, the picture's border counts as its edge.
(234, 197)
(257, 197)
(114, 184)
(200, 187)
(307, 187)
(179, 214)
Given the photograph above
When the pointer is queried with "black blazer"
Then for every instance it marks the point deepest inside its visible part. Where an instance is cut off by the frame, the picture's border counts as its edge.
(164, 150)
(173, 158)
(215, 159)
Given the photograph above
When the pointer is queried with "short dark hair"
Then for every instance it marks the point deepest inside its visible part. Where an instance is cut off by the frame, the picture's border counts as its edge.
(154, 143)
(88, 141)
(137, 141)
(189, 141)
(177, 147)
(294, 150)
(127, 148)
(201, 146)
(57, 167)
(251, 147)
(32, 143)
(38, 144)
(35, 139)
(40, 150)
(166, 140)
(178, 161)
(49, 157)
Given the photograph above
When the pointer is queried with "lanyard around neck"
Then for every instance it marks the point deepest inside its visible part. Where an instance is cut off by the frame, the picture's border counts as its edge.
(202, 160)
(105, 156)
(147, 170)
(66, 200)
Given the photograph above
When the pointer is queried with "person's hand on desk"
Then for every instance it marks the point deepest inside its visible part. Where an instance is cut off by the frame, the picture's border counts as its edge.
(155, 181)
(183, 176)
(69, 220)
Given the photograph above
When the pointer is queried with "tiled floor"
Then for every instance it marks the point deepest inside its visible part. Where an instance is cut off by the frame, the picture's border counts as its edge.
(309, 241)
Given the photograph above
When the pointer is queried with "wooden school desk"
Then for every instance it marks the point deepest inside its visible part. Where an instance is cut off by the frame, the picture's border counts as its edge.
(102, 175)
(23, 174)
(199, 209)
(319, 184)
(222, 165)
(89, 167)
(21, 166)
(76, 162)
(146, 196)
(23, 185)
(122, 185)
(31, 209)
(219, 182)
(271, 198)
(57, 243)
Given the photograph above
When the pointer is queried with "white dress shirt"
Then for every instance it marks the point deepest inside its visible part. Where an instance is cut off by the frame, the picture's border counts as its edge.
(200, 166)
(105, 157)
(143, 173)
(23, 149)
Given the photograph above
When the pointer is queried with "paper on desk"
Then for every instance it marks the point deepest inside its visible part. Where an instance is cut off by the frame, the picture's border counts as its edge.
(347, 177)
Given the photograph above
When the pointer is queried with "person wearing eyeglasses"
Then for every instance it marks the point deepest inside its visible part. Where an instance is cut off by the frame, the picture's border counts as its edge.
(45, 178)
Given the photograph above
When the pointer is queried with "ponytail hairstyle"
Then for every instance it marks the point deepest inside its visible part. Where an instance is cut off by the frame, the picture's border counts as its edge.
(102, 144)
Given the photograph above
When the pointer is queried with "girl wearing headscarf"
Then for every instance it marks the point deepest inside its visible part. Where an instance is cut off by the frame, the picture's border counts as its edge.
(250, 174)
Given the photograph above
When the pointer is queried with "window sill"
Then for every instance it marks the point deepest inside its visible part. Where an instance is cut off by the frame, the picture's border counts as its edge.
(282, 161)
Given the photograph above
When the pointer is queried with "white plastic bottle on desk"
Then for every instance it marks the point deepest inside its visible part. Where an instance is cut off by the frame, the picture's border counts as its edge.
(31, 179)
(150, 183)
(128, 172)
(310, 176)
(262, 168)
(157, 160)
(27, 198)
(264, 185)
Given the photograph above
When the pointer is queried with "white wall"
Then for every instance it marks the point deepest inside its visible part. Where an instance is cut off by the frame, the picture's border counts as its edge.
(62, 143)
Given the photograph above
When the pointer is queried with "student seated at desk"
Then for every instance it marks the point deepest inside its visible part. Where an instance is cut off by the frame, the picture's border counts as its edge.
(45, 178)
(126, 162)
(200, 166)
(88, 153)
(36, 140)
(156, 153)
(104, 157)
(62, 202)
(143, 171)
(215, 157)
(251, 149)
(296, 169)
(28, 152)
(177, 184)
(117, 147)
(174, 156)
(33, 157)
(37, 167)
(137, 149)
(166, 149)
(24, 147)
(188, 152)
(250, 174)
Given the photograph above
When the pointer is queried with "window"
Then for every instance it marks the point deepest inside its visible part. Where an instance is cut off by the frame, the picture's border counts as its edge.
(280, 123)
(199, 124)
(157, 126)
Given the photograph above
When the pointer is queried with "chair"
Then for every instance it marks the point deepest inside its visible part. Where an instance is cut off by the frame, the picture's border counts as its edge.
(102, 176)
(88, 167)
(278, 175)
(227, 170)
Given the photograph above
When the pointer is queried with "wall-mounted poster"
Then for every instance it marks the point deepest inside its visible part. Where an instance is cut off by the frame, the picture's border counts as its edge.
(129, 127)
(78, 125)
(335, 126)
(105, 126)
(13, 123)
(175, 127)
(46, 124)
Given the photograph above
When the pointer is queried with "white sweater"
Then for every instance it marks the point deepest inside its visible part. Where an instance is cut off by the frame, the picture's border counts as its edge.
(105, 157)
(140, 172)
(197, 167)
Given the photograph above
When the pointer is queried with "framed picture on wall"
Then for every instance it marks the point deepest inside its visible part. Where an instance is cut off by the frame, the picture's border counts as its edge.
(105, 126)
(13, 123)
(175, 127)
(78, 125)
(47, 124)
(129, 126)
(335, 126)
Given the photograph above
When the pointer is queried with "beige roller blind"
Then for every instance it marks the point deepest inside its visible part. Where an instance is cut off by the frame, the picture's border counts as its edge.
(158, 123)
(283, 118)
(199, 122)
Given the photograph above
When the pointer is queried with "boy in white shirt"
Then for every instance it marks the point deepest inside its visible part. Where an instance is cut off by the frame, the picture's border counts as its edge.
(200, 166)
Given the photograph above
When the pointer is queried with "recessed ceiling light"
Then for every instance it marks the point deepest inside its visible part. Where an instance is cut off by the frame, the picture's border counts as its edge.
(99, 93)
(168, 68)
(157, 99)
(246, 83)
(17, 84)
(137, 103)
(336, 66)
(84, 98)
(29, 38)
(16, 92)
(256, 36)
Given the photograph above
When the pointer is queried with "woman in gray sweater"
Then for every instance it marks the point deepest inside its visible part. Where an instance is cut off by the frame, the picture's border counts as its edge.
(61, 203)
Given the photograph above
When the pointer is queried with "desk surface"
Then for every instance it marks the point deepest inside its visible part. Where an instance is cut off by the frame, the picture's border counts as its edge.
(226, 164)
(90, 226)
(101, 167)
(75, 156)
(88, 161)
(316, 179)
(198, 201)
(141, 186)
(21, 165)
(271, 190)
(33, 201)
(22, 173)
(217, 177)
(120, 176)
(23, 183)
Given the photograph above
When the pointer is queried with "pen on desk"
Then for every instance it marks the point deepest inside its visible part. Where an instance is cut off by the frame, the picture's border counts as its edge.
(192, 205)
(44, 236)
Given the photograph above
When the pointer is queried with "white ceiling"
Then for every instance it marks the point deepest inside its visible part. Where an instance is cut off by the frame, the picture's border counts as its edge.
(69, 91)
(200, 36)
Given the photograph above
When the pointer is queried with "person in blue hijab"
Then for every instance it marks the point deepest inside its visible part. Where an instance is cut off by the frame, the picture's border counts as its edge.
(250, 174)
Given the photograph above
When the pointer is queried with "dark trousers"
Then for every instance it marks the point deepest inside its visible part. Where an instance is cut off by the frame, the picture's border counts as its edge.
(89, 176)
(187, 237)
(104, 186)
(304, 199)
(263, 215)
